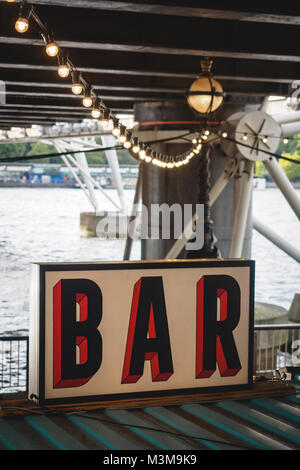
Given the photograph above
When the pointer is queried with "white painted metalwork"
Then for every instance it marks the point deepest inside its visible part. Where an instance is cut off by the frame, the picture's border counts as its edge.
(244, 188)
(276, 239)
(284, 184)
(80, 163)
(216, 190)
(112, 159)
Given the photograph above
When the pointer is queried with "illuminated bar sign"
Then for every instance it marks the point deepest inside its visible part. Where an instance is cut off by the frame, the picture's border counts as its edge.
(107, 331)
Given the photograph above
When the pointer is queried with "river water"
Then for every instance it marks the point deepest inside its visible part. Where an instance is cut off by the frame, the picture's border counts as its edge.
(42, 225)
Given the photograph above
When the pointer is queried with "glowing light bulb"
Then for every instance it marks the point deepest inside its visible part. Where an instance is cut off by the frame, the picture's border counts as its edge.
(207, 132)
(142, 154)
(63, 71)
(52, 49)
(122, 139)
(22, 25)
(285, 141)
(136, 148)
(245, 137)
(87, 100)
(96, 113)
(122, 134)
(105, 118)
(116, 129)
(77, 88)
(224, 135)
(265, 140)
(127, 144)
(194, 141)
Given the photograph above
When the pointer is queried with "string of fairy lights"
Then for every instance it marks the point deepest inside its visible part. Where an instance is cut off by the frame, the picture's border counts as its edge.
(91, 100)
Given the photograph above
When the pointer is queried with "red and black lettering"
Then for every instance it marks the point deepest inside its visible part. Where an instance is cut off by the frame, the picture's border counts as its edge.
(70, 333)
(148, 334)
(214, 339)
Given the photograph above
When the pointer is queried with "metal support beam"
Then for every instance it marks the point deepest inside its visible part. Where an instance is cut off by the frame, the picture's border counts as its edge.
(285, 118)
(277, 240)
(215, 192)
(284, 184)
(290, 129)
(60, 148)
(82, 161)
(95, 183)
(133, 216)
(241, 211)
(112, 158)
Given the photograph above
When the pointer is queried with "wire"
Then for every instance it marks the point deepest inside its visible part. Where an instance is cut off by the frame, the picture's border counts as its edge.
(147, 154)
(163, 431)
(276, 155)
(98, 149)
(55, 411)
(54, 155)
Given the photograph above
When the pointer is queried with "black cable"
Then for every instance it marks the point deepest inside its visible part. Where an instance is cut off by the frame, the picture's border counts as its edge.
(149, 428)
(54, 155)
(146, 428)
(98, 149)
(276, 155)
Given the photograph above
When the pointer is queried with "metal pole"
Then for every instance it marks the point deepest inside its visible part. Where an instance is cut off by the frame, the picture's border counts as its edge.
(285, 118)
(65, 160)
(284, 184)
(215, 192)
(290, 129)
(85, 172)
(276, 239)
(61, 148)
(242, 209)
(95, 183)
(112, 158)
(133, 217)
(81, 159)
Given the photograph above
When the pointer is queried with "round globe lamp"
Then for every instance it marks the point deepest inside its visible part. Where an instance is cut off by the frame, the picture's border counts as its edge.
(205, 95)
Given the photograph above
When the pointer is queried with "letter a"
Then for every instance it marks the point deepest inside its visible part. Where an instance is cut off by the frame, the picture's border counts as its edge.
(148, 334)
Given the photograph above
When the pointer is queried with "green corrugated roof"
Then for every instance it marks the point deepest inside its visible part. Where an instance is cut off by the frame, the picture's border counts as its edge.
(259, 423)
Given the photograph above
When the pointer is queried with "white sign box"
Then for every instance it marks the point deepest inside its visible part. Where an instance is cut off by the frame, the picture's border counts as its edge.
(106, 331)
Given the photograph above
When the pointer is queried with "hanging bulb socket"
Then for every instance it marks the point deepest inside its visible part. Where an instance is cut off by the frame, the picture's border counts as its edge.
(77, 87)
(22, 23)
(52, 48)
(105, 119)
(136, 146)
(128, 143)
(116, 128)
(122, 135)
(87, 100)
(63, 67)
(96, 111)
